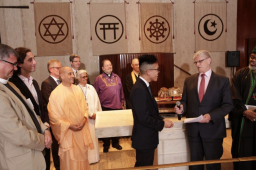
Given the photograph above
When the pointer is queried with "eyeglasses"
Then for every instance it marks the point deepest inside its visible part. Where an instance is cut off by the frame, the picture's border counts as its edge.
(252, 57)
(84, 77)
(14, 64)
(157, 69)
(200, 61)
(56, 67)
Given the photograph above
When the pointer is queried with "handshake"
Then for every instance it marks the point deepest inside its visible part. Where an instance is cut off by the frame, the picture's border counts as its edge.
(168, 123)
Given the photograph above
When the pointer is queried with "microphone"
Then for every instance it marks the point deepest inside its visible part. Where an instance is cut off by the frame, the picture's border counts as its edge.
(178, 105)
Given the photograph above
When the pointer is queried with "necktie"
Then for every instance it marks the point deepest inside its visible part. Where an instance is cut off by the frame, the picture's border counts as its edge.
(58, 82)
(201, 88)
(31, 113)
(149, 88)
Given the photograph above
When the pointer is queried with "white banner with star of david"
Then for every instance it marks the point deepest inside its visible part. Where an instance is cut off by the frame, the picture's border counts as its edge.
(108, 28)
(156, 27)
(53, 29)
(210, 25)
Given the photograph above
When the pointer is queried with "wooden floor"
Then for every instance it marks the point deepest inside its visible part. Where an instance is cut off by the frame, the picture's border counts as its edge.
(126, 157)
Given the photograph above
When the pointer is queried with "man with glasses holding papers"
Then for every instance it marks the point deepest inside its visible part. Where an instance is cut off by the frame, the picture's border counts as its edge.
(208, 94)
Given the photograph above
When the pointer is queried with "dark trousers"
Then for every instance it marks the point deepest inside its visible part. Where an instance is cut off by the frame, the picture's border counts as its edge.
(247, 148)
(144, 157)
(205, 147)
(47, 158)
(106, 141)
(55, 151)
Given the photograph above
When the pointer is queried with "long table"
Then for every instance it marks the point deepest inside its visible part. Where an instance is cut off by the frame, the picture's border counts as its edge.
(173, 145)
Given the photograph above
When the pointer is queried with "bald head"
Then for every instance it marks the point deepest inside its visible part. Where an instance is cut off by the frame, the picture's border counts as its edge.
(67, 76)
(135, 61)
(135, 65)
(64, 69)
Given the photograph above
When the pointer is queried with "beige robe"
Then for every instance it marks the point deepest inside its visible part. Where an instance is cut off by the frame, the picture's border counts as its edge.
(67, 106)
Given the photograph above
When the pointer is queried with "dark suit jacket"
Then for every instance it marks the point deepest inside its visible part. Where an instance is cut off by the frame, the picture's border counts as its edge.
(26, 92)
(147, 121)
(47, 86)
(128, 88)
(217, 102)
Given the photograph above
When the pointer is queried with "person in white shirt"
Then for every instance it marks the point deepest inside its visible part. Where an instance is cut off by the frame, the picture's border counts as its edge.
(75, 63)
(94, 106)
(29, 87)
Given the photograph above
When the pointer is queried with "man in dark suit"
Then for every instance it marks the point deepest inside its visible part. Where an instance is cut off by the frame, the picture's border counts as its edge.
(147, 121)
(48, 85)
(130, 80)
(207, 94)
(30, 88)
(75, 63)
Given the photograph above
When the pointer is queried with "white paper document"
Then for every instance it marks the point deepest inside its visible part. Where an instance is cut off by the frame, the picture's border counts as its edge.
(192, 120)
(250, 107)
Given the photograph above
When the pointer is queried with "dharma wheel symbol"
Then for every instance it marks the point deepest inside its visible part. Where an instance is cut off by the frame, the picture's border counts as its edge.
(156, 29)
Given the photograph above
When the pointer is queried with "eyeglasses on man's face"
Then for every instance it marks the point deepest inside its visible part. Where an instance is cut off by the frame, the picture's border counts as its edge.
(14, 64)
(56, 67)
(200, 61)
(157, 69)
(252, 57)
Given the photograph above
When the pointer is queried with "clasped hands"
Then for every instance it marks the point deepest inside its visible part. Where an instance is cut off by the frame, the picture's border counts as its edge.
(206, 119)
(78, 127)
(47, 139)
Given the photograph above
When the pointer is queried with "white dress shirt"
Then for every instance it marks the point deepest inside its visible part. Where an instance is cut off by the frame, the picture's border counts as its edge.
(29, 84)
(75, 71)
(147, 83)
(3, 81)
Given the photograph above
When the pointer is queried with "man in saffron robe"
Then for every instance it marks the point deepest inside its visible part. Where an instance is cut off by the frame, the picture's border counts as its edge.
(243, 119)
(68, 115)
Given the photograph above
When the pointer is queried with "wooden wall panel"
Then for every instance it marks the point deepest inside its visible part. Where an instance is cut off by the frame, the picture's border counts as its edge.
(246, 28)
(122, 66)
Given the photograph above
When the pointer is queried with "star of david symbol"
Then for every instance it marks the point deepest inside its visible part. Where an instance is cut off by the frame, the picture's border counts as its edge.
(53, 23)
(157, 29)
(53, 29)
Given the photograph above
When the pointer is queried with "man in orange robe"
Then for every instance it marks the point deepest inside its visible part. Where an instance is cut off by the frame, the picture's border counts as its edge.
(68, 115)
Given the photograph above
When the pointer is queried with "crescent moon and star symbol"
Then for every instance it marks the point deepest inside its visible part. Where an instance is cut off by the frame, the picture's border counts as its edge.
(206, 30)
(210, 27)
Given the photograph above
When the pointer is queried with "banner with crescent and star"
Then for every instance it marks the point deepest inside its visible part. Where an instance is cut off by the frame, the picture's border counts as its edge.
(156, 27)
(108, 28)
(53, 29)
(210, 24)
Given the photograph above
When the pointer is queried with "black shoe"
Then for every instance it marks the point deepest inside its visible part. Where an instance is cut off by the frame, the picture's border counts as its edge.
(117, 146)
(105, 149)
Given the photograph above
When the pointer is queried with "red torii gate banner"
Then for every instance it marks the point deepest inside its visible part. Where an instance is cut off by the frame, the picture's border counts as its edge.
(156, 27)
(53, 28)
